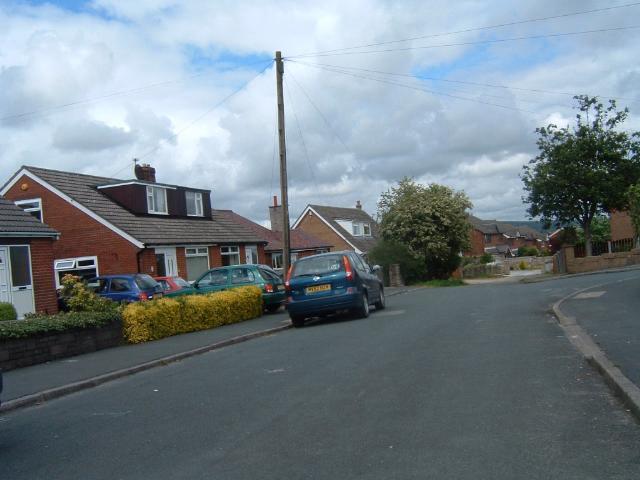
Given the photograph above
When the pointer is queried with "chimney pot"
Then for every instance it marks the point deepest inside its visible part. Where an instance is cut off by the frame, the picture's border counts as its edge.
(358, 205)
(275, 200)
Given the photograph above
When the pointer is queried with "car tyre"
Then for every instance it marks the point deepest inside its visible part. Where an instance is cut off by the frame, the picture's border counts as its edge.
(363, 310)
(381, 303)
(297, 320)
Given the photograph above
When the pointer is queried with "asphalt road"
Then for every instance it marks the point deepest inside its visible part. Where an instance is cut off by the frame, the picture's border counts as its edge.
(461, 383)
(610, 313)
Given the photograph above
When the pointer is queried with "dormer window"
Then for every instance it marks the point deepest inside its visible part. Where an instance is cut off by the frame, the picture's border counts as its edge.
(356, 229)
(361, 229)
(156, 200)
(366, 229)
(194, 204)
(33, 206)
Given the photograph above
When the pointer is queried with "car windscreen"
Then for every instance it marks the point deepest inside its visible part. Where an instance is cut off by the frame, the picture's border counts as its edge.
(181, 282)
(317, 265)
(145, 282)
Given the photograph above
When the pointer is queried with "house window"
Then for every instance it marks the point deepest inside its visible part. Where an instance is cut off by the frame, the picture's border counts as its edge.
(197, 261)
(487, 238)
(83, 267)
(230, 255)
(357, 229)
(366, 229)
(276, 260)
(33, 206)
(20, 266)
(194, 204)
(156, 200)
(322, 250)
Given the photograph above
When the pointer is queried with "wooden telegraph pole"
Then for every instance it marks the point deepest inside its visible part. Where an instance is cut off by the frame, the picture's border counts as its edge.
(286, 239)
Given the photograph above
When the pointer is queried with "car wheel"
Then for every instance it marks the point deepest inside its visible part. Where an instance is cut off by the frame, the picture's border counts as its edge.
(380, 304)
(363, 310)
(297, 320)
(273, 307)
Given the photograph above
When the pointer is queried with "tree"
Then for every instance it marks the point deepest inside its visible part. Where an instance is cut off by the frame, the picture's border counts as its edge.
(387, 253)
(633, 199)
(584, 170)
(600, 230)
(430, 220)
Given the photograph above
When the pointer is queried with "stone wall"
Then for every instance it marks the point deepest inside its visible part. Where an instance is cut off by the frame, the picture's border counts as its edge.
(602, 262)
(22, 352)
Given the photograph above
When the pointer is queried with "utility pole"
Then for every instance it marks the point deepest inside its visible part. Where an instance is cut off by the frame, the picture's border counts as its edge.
(286, 239)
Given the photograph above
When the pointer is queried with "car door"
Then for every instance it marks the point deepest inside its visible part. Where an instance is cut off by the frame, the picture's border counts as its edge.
(214, 280)
(121, 290)
(368, 278)
(241, 277)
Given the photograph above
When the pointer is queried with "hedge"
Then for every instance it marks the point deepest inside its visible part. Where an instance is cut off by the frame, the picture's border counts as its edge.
(7, 311)
(55, 323)
(144, 321)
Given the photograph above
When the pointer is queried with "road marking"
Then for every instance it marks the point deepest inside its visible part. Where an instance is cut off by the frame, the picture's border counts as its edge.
(584, 295)
(390, 313)
(277, 370)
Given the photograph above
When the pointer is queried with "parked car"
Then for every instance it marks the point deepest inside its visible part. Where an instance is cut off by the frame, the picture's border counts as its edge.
(126, 288)
(0, 386)
(225, 278)
(332, 282)
(174, 284)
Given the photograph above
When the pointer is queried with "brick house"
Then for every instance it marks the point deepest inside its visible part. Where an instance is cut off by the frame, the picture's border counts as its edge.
(110, 226)
(621, 226)
(344, 228)
(303, 244)
(497, 236)
(26, 260)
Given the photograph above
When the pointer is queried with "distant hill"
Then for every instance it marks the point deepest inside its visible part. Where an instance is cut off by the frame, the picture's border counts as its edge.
(536, 225)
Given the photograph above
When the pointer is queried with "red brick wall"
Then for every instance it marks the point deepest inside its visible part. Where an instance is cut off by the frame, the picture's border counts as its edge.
(316, 227)
(181, 259)
(44, 285)
(262, 256)
(621, 226)
(477, 243)
(147, 262)
(215, 259)
(80, 235)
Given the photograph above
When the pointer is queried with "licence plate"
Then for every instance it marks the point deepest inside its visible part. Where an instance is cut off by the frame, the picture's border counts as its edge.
(317, 288)
(280, 288)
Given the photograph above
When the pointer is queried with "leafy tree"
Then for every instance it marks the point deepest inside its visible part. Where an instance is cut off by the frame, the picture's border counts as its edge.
(582, 171)
(633, 199)
(600, 230)
(430, 220)
(388, 252)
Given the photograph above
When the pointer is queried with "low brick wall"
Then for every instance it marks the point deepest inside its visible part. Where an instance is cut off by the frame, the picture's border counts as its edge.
(480, 270)
(22, 352)
(602, 262)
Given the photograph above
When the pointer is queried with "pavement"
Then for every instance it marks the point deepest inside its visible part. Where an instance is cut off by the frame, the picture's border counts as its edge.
(465, 383)
(35, 384)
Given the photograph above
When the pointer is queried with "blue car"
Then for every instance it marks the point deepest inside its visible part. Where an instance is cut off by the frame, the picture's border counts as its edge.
(332, 282)
(126, 288)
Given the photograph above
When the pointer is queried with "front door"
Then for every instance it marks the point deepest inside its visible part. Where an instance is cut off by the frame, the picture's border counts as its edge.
(5, 294)
(251, 254)
(21, 284)
(166, 262)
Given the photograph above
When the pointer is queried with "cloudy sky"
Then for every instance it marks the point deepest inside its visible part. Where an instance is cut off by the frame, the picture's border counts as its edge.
(189, 87)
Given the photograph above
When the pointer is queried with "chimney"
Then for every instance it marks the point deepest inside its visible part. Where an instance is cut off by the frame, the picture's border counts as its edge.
(275, 215)
(358, 205)
(145, 172)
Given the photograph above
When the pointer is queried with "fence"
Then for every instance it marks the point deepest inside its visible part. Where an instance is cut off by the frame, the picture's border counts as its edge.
(572, 264)
(598, 248)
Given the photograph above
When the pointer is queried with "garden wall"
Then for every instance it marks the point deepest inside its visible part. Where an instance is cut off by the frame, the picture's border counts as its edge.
(601, 262)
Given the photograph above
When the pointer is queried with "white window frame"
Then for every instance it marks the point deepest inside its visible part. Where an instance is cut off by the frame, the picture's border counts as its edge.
(38, 201)
(199, 208)
(277, 259)
(74, 266)
(199, 251)
(151, 202)
(357, 229)
(366, 229)
(230, 252)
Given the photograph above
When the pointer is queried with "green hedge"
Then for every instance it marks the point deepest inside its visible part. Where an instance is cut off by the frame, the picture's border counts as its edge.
(55, 323)
(144, 321)
(7, 311)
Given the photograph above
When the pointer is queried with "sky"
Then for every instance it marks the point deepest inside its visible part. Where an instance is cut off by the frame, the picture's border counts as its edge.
(189, 87)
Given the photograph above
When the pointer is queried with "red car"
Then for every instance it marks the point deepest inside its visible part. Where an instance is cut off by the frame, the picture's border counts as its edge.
(173, 284)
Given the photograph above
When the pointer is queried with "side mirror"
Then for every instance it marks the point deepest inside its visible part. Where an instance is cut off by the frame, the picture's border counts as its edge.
(375, 268)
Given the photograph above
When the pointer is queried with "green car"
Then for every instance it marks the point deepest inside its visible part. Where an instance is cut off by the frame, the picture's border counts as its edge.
(225, 278)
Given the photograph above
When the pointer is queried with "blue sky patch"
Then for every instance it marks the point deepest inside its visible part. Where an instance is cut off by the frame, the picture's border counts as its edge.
(200, 59)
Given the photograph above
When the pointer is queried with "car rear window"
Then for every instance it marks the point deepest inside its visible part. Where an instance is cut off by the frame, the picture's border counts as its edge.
(269, 276)
(317, 265)
(145, 282)
(181, 282)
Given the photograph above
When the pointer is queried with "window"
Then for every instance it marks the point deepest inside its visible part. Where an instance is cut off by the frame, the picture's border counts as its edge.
(197, 261)
(214, 277)
(83, 267)
(366, 229)
(242, 275)
(487, 238)
(361, 229)
(194, 204)
(119, 285)
(20, 266)
(156, 199)
(276, 260)
(230, 255)
(33, 206)
(357, 231)
(322, 250)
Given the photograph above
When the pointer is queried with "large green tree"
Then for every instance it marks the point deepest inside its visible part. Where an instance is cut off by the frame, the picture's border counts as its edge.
(430, 220)
(633, 199)
(583, 170)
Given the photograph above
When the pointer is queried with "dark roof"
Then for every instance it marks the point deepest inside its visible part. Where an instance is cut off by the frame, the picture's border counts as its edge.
(147, 229)
(504, 228)
(299, 240)
(331, 214)
(15, 222)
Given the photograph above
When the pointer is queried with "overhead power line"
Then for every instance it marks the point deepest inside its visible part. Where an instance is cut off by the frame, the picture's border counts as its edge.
(475, 42)
(200, 117)
(474, 29)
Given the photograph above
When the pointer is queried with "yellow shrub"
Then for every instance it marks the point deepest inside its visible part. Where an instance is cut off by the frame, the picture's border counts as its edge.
(161, 318)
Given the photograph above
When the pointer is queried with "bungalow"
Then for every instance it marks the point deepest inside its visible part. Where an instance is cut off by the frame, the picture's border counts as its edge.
(344, 228)
(26, 260)
(110, 226)
(303, 244)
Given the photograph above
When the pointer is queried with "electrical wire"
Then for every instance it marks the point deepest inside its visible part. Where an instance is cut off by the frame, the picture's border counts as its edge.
(200, 117)
(475, 42)
(474, 29)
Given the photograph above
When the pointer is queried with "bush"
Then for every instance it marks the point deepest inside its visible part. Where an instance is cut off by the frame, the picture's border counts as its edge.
(528, 252)
(486, 258)
(7, 311)
(41, 324)
(165, 317)
(522, 265)
(388, 252)
(78, 298)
